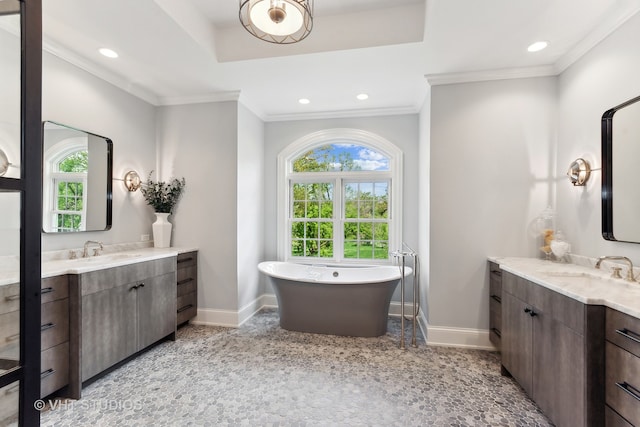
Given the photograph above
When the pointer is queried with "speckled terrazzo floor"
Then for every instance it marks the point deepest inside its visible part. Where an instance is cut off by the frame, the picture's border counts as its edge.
(262, 375)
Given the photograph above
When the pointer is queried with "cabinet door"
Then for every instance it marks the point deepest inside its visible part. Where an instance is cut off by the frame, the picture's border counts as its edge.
(156, 309)
(517, 340)
(558, 371)
(108, 328)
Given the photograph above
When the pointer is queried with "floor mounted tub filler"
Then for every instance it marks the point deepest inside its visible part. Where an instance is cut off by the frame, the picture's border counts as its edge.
(335, 300)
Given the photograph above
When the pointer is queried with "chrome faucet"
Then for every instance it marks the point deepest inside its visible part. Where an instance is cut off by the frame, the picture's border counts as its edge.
(96, 251)
(629, 277)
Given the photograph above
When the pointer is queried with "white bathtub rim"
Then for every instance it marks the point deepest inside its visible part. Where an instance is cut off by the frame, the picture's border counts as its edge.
(389, 272)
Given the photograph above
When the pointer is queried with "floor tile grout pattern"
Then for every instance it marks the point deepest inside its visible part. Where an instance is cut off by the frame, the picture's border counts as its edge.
(262, 375)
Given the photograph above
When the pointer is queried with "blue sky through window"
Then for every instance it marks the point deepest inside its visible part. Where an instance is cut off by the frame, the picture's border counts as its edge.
(364, 158)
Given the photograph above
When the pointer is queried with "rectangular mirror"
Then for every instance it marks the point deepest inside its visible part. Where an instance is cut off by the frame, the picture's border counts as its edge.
(620, 151)
(77, 174)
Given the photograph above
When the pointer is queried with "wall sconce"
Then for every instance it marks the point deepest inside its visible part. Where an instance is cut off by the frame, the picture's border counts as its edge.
(4, 163)
(132, 181)
(579, 172)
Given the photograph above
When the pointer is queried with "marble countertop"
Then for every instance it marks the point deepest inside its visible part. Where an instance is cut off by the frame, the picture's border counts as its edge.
(57, 267)
(580, 282)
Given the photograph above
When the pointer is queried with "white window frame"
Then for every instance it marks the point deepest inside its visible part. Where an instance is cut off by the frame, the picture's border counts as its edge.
(52, 175)
(339, 135)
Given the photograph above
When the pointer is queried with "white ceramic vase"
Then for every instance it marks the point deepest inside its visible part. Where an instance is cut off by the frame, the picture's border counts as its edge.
(162, 231)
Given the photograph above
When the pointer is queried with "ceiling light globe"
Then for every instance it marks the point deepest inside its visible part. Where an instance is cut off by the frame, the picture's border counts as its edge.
(277, 21)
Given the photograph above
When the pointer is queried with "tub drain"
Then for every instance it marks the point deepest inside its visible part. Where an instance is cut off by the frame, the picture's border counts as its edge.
(336, 274)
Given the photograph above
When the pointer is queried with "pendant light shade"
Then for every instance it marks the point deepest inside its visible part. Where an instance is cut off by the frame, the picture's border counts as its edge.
(277, 21)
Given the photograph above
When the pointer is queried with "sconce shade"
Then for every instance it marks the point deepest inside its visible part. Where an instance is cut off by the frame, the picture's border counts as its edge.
(277, 21)
(579, 172)
(4, 163)
(132, 181)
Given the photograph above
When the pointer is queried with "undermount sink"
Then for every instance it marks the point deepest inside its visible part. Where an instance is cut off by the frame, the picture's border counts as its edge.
(107, 258)
(579, 278)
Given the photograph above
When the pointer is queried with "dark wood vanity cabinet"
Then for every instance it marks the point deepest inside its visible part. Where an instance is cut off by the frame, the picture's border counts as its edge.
(54, 334)
(553, 346)
(622, 369)
(495, 304)
(187, 287)
(54, 331)
(124, 310)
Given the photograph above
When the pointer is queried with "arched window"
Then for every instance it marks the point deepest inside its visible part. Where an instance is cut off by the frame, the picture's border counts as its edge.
(339, 198)
(65, 208)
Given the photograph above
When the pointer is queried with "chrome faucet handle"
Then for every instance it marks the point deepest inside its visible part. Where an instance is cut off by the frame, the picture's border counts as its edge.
(73, 254)
(96, 251)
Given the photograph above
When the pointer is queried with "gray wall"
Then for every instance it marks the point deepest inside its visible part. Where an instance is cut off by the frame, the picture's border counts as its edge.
(199, 142)
(78, 99)
(492, 151)
(605, 77)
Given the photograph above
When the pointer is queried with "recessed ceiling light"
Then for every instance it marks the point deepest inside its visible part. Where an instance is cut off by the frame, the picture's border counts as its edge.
(537, 46)
(362, 96)
(108, 52)
(303, 101)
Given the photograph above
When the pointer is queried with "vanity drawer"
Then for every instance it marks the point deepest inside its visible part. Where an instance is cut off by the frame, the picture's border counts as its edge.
(9, 334)
(55, 323)
(623, 330)
(495, 279)
(187, 280)
(9, 398)
(187, 259)
(623, 383)
(9, 298)
(54, 369)
(186, 307)
(54, 288)
(613, 419)
(495, 311)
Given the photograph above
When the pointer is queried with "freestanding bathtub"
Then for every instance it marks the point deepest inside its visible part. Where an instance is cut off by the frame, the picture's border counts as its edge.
(335, 300)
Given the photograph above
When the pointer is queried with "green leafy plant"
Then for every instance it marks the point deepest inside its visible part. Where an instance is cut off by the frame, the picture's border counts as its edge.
(163, 196)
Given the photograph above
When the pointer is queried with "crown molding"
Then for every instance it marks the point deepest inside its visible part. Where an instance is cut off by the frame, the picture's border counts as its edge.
(232, 95)
(602, 31)
(98, 71)
(488, 75)
(370, 112)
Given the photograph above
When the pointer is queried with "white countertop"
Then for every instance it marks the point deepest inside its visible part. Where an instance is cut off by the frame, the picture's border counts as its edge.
(84, 265)
(585, 284)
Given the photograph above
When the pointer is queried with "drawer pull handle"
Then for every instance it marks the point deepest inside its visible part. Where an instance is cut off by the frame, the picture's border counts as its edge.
(133, 288)
(186, 307)
(185, 260)
(496, 298)
(13, 337)
(47, 326)
(46, 290)
(47, 373)
(12, 297)
(530, 312)
(141, 285)
(496, 272)
(630, 390)
(12, 389)
(497, 332)
(629, 334)
(182, 282)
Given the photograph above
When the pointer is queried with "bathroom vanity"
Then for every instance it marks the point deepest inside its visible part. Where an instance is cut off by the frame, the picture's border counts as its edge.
(98, 312)
(568, 335)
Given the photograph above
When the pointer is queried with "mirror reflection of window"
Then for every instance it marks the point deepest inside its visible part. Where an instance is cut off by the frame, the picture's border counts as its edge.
(69, 182)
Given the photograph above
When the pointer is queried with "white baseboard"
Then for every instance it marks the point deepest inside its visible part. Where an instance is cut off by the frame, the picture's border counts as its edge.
(459, 337)
(434, 335)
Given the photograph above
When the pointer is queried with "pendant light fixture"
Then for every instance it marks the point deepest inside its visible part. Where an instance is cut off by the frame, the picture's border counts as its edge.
(277, 21)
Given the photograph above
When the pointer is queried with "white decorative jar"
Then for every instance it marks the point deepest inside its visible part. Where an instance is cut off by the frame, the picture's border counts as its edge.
(161, 230)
